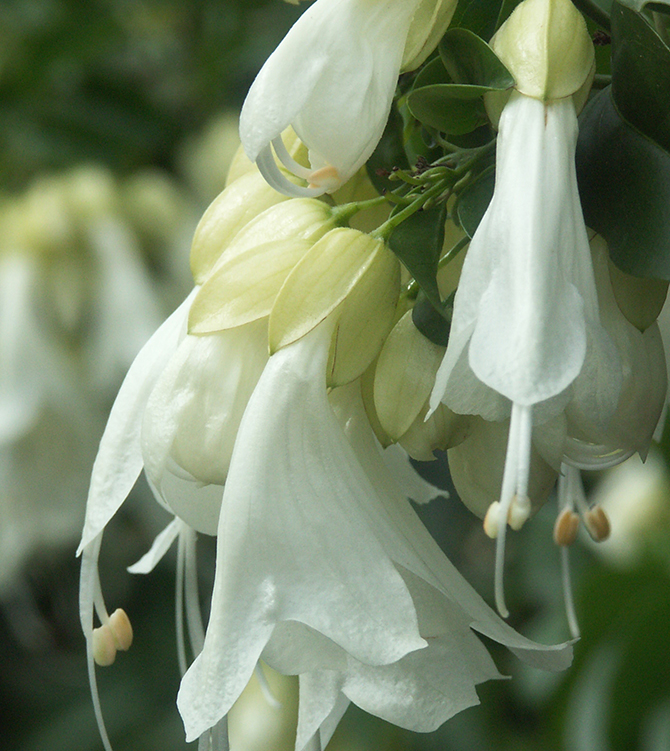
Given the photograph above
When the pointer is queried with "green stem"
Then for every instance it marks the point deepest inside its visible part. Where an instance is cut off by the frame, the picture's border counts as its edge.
(449, 256)
(343, 213)
(383, 231)
(594, 12)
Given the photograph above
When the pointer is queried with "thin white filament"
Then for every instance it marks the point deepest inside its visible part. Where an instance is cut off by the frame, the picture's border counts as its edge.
(570, 612)
(288, 161)
(273, 176)
(269, 697)
(179, 604)
(196, 629)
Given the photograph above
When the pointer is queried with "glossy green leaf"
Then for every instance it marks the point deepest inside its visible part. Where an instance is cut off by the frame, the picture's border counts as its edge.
(474, 201)
(641, 74)
(624, 184)
(389, 153)
(434, 323)
(642, 4)
(469, 60)
(418, 244)
(479, 16)
(444, 107)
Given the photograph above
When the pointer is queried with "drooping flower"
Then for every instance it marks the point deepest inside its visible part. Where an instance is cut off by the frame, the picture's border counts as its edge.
(333, 78)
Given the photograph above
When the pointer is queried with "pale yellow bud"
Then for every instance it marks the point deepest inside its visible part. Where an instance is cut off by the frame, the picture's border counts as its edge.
(547, 48)
(234, 208)
(430, 21)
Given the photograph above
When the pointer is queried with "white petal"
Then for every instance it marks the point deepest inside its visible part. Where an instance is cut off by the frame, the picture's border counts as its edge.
(333, 78)
(295, 533)
(410, 545)
(321, 707)
(159, 548)
(119, 460)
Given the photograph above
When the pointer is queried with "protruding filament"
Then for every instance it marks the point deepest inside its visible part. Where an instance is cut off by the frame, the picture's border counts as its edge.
(514, 507)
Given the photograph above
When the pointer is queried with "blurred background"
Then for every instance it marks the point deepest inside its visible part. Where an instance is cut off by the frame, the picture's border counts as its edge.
(117, 123)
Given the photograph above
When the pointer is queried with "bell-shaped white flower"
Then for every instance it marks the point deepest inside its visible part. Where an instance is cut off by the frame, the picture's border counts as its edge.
(297, 526)
(333, 78)
(526, 335)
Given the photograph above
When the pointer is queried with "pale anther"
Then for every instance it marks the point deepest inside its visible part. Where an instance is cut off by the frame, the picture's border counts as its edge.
(566, 527)
(597, 524)
(122, 631)
(104, 646)
(519, 511)
(491, 526)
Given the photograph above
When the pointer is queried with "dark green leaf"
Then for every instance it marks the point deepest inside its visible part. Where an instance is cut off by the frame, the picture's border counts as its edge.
(432, 73)
(469, 60)
(641, 74)
(418, 243)
(624, 184)
(388, 154)
(431, 321)
(474, 201)
(443, 107)
(641, 4)
(479, 16)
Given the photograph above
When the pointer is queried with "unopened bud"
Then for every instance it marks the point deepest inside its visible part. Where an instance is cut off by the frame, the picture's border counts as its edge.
(565, 528)
(122, 631)
(597, 524)
(547, 48)
(104, 646)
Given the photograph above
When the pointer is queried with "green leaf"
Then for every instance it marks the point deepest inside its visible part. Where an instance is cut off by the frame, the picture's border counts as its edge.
(432, 322)
(444, 107)
(418, 244)
(639, 5)
(469, 60)
(479, 16)
(474, 201)
(624, 184)
(388, 154)
(641, 74)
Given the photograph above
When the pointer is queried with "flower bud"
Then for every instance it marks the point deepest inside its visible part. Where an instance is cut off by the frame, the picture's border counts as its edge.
(427, 27)
(444, 429)
(234, 208)
(477, 465)
(547, 48)
(640, 300)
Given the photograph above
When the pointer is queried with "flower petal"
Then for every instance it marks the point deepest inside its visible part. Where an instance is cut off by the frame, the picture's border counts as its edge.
(119, 460)
(294, 535)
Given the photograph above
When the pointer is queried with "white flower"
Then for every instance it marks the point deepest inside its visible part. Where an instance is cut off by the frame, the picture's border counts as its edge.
(333, 78)
(526, 335)
(307, 507)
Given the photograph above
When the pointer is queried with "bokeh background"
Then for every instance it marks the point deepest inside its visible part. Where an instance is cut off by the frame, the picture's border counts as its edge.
(117, 121)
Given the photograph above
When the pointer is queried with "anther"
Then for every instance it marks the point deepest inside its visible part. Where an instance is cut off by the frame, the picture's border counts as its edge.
(122, 631)
(104, 646)
(565, 528)
(491, 527)
(326, 177)
(519, 511)
(597, 524)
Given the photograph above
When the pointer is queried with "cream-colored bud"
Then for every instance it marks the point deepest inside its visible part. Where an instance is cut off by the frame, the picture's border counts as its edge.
(321, 281)
(405, 376)
(430, 21)
(234, 208)
(547, 48)
(103, 646)
(640, 300)
(122, 631)
(444, 429)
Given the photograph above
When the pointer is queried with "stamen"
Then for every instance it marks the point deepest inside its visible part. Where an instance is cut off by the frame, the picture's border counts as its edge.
(568, 597)
(103, 646)
(196, 629)
(288, 161)
(273, 176)
(491, 526)
(514, 486)
(269, 697)
(519, 512)
(179, 605)
(122, 631)
(597, 524)
(566, 527)
(327, 178)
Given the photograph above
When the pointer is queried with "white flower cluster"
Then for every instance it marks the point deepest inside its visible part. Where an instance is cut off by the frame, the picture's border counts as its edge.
(259, 409)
